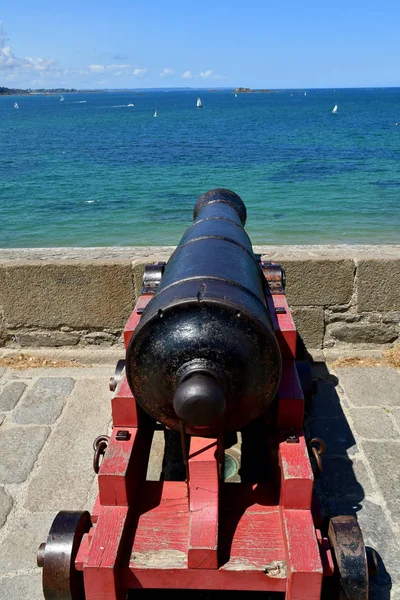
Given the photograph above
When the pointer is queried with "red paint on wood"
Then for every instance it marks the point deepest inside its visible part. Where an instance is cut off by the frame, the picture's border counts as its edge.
(123, 405)
(250, 529)
(160, 539)
(291, 399)
(201, 579)
(296, 474)
(283, 325)
(124, 465)
(101, 576)
(135, 317)
(83, 552)
(326, 554)
(203, 499)
(304, 567)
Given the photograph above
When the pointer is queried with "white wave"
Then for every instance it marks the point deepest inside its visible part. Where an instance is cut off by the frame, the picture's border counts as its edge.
(122, 105)
(89, 201)
(80, 102)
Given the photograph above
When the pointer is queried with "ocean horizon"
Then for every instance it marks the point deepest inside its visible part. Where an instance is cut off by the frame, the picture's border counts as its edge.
(98, 169)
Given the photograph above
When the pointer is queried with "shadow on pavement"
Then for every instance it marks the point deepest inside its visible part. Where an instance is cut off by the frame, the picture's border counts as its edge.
(338, 488)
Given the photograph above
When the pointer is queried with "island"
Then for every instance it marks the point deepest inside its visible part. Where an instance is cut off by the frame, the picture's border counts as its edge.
(4, 91)
(244, 90)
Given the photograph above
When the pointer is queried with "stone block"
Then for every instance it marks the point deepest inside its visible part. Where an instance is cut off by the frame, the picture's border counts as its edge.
(383, 458)
(345, 478)
(391, 317)
(373, 423)
(45, 401)
(378, 285)
(19, 450)
(363, 333)
(319, 282)
(156, 457)
(47, 338)
(326, 402)
(340, 317)
(79, 294)
(65, 475)
(138, 270)
(100, 338)
(370, 386)
(6, 503)
(22, 586)
(336, 434)
(11, 394)
(19, 547)
(310, 325)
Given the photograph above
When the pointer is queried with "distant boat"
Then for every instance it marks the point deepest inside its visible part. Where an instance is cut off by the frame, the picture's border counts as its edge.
(16, 105)
(130, 105)
(305, 93)
(334, 109)
(62, 98)
(199, 103)
(236, 95)
(155, 113)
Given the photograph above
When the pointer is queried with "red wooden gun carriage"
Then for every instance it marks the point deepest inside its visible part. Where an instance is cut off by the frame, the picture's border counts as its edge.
(210, 351)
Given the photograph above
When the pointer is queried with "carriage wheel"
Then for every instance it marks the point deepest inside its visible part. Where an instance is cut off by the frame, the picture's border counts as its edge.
(61, 581)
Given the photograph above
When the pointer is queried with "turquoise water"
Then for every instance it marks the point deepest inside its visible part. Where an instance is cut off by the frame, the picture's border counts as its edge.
(99, 173)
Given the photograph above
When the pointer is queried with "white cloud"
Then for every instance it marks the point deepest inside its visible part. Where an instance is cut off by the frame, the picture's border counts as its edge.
(139, 72)
(14, 66)
(166, 72)
(107, 68)
(187, 74)
(206, 74)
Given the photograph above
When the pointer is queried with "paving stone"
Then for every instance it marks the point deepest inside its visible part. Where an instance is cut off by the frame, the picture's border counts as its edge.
(44, 402)
(11, 394)
(22, 587)
(6, 503)
(369, 386)
(373, 423)
(156, 457)
(383, 458)
(19, 547)
(395, 412)
(2, 371)
(19, 449)
(326, 402)
(336, 434)
(2, 417)
(66, 471)
(344, 478)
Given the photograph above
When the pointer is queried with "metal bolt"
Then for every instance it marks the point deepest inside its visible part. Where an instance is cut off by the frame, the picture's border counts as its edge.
(122, 436)
(40, 555)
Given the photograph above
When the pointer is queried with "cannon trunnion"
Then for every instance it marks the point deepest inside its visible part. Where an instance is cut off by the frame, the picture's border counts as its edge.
(204, 351)
(210, 357)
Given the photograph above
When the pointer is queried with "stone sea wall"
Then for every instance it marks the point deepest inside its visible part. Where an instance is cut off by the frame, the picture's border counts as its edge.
(341, 296)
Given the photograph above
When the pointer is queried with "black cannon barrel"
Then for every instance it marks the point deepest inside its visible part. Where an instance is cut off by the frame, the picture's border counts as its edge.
(204, 351)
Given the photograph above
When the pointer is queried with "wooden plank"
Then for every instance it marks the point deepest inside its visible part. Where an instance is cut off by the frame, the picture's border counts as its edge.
(297, 478)
(162, 530)
(291, 399)
(135, 317)
(283, 325)
(250, 530)
(100, 573)
(123, 406)
(304, 567)
(200, 579)
(124, 466)
(203, 502)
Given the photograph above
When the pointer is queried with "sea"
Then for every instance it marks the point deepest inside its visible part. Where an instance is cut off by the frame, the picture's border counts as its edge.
(98, 169)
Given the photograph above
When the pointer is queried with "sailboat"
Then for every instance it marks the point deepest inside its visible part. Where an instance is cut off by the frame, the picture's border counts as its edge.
(155, 113)
(199, 103)
(334, 111)
(236, 95)
(16, 105)
(62, 98)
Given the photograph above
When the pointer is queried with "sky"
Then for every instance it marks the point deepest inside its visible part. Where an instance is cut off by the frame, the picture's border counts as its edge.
(182, 43)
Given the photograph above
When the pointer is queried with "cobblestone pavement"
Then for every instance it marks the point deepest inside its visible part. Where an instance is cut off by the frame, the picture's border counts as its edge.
(49, 418)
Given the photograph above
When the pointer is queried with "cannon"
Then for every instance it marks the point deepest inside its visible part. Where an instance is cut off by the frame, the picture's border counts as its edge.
(211, 361)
